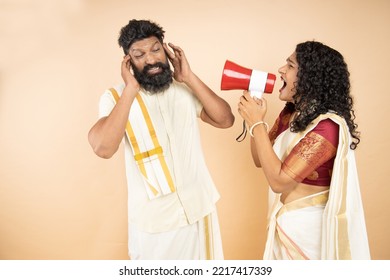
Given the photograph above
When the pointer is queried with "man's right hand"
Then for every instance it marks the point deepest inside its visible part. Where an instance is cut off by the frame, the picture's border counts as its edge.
(127, 74)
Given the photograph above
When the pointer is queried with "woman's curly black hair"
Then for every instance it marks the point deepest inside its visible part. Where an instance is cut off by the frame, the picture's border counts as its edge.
(137, 30)
(322, 85)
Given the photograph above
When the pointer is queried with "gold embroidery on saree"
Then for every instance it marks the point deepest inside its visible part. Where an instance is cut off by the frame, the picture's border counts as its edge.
(312, 151)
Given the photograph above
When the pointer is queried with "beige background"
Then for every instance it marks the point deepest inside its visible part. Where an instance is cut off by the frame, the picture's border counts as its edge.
(60, 201)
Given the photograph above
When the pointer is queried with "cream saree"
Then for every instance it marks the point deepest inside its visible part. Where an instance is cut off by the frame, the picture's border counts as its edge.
(329, 225)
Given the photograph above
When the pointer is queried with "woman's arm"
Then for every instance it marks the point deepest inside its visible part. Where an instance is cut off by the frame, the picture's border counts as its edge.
(254, 111)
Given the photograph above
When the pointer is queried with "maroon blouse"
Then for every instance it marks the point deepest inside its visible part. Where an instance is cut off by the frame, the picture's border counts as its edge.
(312, 158)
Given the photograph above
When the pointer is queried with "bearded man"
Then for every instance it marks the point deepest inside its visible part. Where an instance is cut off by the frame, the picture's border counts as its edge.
(171, 195)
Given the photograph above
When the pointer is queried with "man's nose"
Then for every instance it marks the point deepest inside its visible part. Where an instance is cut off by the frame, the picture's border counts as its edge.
(150, 59)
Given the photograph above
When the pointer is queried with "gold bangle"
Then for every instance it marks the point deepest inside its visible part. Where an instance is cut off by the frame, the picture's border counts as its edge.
(255, 124)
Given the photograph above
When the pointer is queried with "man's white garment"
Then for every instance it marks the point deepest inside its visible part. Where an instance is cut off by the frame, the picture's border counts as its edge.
(198, 241)
(175, 115)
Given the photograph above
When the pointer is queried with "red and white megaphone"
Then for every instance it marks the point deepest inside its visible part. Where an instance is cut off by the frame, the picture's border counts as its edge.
(257, 82)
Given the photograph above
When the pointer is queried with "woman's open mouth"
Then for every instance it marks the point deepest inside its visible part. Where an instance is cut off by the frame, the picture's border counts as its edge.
(284, 84)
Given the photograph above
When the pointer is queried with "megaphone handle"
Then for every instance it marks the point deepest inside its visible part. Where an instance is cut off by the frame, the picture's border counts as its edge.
(257, 94)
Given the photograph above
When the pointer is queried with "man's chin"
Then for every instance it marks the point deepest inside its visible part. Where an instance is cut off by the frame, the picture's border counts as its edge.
(154, 88)
(154, 82)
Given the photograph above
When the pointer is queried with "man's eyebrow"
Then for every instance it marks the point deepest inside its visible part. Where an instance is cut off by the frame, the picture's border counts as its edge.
(135, 49)
(156, 43)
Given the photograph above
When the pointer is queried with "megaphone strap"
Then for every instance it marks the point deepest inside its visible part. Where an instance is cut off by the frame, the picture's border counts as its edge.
(243, 133)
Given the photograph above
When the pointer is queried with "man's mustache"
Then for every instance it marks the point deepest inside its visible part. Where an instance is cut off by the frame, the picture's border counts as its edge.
(157, 64)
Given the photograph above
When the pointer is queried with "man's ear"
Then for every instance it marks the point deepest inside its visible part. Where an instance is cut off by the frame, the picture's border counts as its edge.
(130, 65)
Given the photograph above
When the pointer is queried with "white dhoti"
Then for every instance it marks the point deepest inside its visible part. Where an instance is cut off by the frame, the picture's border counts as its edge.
(198, 241)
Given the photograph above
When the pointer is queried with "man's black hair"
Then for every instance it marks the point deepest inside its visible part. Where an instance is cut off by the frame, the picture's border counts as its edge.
(137, 30)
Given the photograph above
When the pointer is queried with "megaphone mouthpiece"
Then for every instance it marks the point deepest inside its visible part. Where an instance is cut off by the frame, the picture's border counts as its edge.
(257, 82)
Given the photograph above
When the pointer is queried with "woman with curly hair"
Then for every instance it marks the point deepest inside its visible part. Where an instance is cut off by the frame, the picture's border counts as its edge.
(315, 207)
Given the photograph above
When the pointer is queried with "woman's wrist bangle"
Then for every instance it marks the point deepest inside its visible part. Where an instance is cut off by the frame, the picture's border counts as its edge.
(256, 124)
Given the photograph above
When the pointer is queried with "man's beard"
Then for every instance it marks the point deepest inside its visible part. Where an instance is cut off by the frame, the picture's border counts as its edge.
(156, 82)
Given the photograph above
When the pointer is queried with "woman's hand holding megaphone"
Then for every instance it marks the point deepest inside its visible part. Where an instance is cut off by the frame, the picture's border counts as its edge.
(252, 109)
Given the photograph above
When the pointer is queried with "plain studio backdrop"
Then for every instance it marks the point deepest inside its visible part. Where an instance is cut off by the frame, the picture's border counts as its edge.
(58, 200)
